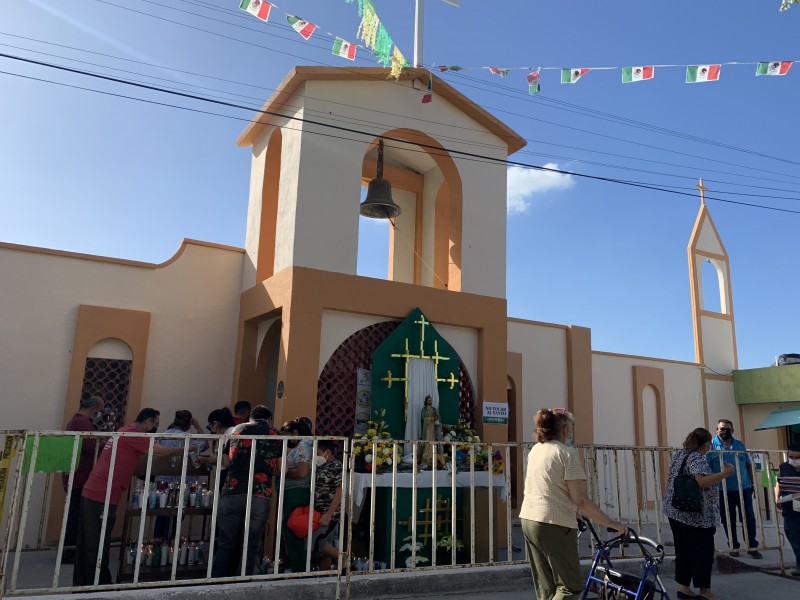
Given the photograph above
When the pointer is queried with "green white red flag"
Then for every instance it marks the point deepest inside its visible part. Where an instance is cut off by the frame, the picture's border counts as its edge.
(257, 8)
(302, 27)
(702, 73)
(631, 74)
(572, 75)
(534, 86)
(344, 49)
(774, 68)
(497, 71)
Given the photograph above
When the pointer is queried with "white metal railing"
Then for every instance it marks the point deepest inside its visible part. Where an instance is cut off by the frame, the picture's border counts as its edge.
(396, 515)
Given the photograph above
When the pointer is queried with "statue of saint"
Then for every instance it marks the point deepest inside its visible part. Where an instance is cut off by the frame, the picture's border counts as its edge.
(430, 428)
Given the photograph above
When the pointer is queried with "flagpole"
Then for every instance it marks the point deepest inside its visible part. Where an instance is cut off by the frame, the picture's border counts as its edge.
(419, 31)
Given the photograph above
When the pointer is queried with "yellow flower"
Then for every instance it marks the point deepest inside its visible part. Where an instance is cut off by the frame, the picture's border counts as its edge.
(371, 432)
(379, 461)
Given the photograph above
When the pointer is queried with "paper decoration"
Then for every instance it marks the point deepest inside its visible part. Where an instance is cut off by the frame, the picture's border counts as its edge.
(453, 68)
(399, 63)
(631, 74)
(428, 97)
(302, 27)
(774, 68)
(533, 83)
(343, 49)
(257, 8)
(702, 73)
(501, 72)
(572, 75)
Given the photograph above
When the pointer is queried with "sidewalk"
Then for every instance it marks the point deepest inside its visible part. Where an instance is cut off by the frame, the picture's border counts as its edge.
(742, 586)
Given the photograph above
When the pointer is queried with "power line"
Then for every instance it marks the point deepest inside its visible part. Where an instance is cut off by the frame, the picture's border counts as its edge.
(442, 137)
(430, 149)
(294, 40)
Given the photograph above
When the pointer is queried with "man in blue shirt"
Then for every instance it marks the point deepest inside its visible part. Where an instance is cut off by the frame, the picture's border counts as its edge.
(734, 452)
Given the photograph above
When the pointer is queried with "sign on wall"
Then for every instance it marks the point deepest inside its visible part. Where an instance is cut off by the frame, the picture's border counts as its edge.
(495, 412)
(363, 400)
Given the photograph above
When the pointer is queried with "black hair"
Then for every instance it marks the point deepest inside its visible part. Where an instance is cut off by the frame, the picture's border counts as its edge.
(241, 405)
(147, 413)
(261, 412)
(323, 445)
(222, 415)
(302, 425)
(182, 420)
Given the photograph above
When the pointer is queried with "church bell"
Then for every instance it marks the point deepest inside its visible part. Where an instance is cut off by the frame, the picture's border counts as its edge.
(379, 204)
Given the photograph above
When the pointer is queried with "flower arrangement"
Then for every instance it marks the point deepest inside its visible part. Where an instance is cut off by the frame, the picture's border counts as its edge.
(467, 439)
(375, 450)
(410, 562)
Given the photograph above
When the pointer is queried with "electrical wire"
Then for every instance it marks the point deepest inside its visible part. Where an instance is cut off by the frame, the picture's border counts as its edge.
(365, 121)
(307, 44)
(428, 148)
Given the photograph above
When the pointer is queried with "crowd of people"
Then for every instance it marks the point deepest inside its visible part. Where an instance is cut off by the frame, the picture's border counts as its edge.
(90, 503)
(555, 500)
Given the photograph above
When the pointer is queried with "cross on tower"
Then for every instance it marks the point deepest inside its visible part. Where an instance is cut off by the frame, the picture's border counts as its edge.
(702, 189)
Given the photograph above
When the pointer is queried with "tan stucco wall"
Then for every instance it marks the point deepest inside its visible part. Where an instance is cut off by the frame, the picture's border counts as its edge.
(544, 367)
(613, 398)
(193, 303)
(321, 179)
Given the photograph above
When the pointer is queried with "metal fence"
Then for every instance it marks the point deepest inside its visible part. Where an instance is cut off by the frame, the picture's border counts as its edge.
(398, 512)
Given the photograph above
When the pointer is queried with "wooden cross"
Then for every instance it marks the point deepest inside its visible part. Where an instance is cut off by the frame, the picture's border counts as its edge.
(452, 380)
(389, 379)
(422, 324)
(443, 520)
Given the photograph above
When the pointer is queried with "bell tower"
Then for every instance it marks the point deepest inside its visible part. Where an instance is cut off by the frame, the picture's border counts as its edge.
(315, 144)
(714, 325)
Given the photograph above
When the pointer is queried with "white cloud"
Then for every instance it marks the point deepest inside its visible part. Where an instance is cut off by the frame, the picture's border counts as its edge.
(524, 184)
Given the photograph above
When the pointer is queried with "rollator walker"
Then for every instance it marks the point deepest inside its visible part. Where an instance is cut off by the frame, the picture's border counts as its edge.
(608, 583)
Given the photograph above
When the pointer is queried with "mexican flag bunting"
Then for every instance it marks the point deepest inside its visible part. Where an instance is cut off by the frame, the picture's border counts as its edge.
(702, 73)
(774, 68)
(257, 8)
(428, 97)
(572, 75)
(304, 28)
(631, 74)
(444, 69)
(344, 49)
(533, 83)
(501, 72)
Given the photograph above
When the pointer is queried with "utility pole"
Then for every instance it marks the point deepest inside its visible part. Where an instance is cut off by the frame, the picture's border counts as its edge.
(419, 31)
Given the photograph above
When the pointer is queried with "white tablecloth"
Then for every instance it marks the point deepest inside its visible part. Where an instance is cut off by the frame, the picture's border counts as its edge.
(363, 481)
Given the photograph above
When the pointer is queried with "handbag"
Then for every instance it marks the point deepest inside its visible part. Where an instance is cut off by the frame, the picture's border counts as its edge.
(686, 494)
(298, 521)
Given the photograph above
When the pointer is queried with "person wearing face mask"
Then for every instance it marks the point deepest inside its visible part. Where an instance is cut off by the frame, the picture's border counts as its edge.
(93, 499)
(327, 501)
(555, 493)
(787, 496)
(83, 420)
(731, 450)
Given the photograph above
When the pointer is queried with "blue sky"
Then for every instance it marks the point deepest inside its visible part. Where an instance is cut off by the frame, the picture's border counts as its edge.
(100, 174)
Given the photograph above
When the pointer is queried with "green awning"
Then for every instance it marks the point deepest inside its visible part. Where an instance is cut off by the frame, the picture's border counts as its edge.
(781, 418)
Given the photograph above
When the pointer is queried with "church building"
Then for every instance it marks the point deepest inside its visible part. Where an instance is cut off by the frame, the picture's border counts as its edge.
(286, 321)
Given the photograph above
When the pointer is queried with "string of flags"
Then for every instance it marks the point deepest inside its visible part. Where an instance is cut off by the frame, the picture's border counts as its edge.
(371, 31)
(694, 73)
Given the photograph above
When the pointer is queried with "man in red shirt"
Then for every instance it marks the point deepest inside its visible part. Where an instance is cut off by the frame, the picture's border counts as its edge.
(129, 449)
(81, 421)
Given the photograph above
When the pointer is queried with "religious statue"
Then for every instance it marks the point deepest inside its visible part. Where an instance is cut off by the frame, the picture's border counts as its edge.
(430, 428)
